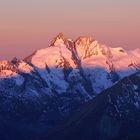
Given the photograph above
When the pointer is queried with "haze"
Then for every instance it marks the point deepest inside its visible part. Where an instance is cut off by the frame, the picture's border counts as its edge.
(28, 25)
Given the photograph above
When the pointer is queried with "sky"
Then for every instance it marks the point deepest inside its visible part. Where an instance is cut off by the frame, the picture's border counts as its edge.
(28, 25)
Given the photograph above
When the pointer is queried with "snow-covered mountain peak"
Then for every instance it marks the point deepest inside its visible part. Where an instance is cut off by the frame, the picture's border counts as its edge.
(87, 47)
(7, 69)
(6, 65)
(84, 40)
(51, 56)
(60, 40)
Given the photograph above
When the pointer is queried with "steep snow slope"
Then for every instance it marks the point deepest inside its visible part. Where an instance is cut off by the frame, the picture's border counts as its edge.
(52, 62)
(114, 114)
(104, 65)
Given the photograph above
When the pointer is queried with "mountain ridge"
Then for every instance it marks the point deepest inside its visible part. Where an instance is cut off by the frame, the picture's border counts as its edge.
(67, 57)
(53, 82)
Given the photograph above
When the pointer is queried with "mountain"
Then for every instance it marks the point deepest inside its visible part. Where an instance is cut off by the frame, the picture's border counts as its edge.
(53, 82)
(112, 115)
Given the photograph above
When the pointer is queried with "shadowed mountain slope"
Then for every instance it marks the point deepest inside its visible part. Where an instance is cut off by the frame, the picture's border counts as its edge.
(112, 115)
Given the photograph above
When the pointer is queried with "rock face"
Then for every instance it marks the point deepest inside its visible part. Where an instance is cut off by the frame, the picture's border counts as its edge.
(56, 80)
(114, 114)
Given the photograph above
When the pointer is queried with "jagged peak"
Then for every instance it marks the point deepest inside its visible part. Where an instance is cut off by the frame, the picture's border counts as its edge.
(87, 46)
(84, 40)
(61, 36)
(7, 65)
(61, 40)
(84, 46)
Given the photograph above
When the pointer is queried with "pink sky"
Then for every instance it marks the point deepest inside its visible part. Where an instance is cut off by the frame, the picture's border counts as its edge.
(29, 25)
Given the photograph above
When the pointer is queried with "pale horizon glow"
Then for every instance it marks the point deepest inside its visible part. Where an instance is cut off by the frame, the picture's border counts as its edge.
(28, 25)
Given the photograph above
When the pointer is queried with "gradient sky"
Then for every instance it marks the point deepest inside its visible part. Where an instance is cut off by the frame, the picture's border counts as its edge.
(27, 25)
